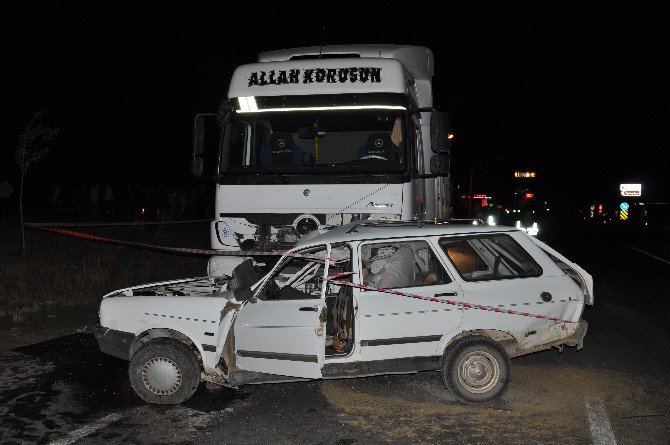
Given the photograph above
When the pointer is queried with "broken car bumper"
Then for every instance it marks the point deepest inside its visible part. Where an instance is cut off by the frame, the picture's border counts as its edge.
(112, 342)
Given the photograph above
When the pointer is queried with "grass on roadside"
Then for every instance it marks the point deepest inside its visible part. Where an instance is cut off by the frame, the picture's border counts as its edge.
(62, 279)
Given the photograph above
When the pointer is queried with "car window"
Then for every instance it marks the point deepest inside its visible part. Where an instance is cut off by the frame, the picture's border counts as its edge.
(399, 264)
(297, 278)
(489, 257)
(301, 277)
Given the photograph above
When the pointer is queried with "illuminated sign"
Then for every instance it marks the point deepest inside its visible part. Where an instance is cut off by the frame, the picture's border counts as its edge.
(631, 189)
(525, 174)
(530, 195)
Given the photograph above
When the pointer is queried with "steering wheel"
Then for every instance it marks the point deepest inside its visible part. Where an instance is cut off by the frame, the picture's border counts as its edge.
(374, 157)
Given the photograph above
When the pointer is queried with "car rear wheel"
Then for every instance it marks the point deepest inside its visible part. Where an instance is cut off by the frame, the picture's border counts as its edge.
(164, 371)
(476, 370)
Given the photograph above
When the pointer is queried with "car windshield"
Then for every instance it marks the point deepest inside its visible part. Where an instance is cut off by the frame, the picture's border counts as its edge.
(315, 141)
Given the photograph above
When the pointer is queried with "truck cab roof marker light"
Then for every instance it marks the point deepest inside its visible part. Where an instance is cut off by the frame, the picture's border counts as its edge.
(245, 108)
(248, 104)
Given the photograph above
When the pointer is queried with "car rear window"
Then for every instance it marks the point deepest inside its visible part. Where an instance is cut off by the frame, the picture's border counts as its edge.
(489, 257)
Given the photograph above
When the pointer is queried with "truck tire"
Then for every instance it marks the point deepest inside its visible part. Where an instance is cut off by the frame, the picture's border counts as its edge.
(164, 371)
(476, 370)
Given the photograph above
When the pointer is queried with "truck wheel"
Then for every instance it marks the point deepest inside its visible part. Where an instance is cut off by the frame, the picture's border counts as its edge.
(164, 371)
(476, 370)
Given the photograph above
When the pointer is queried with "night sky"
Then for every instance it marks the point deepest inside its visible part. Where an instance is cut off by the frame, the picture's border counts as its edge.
(572, 90)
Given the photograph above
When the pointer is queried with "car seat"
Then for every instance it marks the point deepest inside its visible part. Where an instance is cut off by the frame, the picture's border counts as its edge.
(397, 272)
(379, 146)
(281, 149)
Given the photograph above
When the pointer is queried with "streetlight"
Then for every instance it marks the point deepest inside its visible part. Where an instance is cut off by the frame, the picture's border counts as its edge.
(472, 173)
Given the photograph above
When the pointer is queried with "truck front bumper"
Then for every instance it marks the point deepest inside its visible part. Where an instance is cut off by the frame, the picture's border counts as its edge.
(112, 342)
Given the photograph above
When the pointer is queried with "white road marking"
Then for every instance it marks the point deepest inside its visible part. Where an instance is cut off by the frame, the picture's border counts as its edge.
(599, 424)
(647, 253)
(87, 429)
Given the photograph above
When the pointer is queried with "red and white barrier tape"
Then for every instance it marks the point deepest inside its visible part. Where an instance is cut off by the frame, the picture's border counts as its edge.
(333, 279)
(117, 224)
(238, 253)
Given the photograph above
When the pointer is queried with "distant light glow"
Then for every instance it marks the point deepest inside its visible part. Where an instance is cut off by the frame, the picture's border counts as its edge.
(530, 195)
(450, 135)
(528, 174)
(532, 230)
(631, 189)
(490, 220)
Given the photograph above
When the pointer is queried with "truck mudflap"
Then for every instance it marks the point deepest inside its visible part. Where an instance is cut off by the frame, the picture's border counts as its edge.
(112, 342)
(554, 335)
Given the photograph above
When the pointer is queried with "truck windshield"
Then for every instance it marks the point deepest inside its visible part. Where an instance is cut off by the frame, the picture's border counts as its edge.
(315, 141)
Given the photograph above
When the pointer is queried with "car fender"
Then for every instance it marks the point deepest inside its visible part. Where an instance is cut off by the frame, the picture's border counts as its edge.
(508, 341)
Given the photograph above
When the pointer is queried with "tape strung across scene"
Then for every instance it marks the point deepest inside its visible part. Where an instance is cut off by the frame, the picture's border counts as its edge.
(183, 250)
(331, 278)
(115, 224)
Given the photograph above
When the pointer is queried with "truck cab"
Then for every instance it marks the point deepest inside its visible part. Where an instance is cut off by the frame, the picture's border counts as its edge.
(311, 138)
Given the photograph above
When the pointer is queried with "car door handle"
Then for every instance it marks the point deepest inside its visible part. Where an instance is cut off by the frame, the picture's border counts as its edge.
(308, 309)
(446, 294)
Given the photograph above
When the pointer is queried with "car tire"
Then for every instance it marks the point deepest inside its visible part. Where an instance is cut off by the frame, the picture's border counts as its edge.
(476, 370)
(164, 371)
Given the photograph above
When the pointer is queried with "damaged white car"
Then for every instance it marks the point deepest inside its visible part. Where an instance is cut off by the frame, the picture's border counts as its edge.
(363, 299)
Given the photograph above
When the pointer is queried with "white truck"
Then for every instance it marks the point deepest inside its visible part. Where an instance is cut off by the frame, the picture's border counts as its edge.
(318, 137)
(366, 298)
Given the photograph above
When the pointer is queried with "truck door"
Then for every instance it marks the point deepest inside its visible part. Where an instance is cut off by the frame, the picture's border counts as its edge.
(282, 331)
(417, 162)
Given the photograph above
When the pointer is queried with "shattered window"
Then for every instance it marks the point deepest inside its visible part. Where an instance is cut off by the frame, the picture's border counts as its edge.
(299, 277)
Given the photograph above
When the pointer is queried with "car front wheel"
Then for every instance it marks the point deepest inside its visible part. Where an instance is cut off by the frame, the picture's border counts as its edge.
(476, 370)
(164, 371)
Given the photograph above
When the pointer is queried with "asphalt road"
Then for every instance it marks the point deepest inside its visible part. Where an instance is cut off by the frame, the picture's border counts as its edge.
(615, 390)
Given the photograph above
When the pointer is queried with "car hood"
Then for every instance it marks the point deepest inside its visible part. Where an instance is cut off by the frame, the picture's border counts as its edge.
(188, 287)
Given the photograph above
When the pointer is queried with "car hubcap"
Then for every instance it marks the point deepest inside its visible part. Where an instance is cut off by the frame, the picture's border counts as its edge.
(161, 376)
(478, 372)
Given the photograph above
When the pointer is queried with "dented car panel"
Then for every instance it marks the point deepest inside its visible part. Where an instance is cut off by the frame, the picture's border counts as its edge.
(184, 307)
(294, 323)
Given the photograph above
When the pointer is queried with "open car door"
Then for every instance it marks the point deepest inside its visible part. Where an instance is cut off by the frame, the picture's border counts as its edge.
(283, 330)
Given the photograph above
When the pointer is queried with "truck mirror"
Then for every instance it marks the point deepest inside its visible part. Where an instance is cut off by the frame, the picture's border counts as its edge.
(206, 132)
(197, 166)
(439, 164)
(439, 130)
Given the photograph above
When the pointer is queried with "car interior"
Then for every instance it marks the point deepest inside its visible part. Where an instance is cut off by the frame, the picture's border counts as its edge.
(302, 278)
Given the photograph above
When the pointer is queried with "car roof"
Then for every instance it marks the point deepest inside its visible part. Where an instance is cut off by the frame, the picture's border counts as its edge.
(380, 230)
